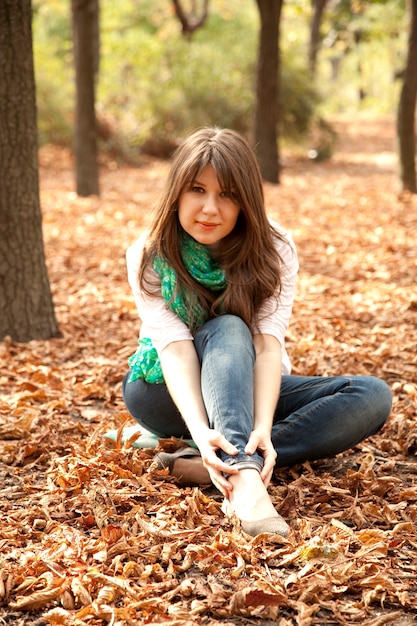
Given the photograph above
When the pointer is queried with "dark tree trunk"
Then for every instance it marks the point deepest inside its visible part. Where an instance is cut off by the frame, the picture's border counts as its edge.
(407, 108)
(358, 37)
(26, 306)
(318, 9)
(86, 47)
(266, 114)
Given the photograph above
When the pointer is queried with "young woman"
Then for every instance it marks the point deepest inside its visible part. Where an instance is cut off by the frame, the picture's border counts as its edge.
(213, 282)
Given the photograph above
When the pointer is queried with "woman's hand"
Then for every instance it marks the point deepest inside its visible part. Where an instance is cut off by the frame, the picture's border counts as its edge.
(208, 442)
(261, 441)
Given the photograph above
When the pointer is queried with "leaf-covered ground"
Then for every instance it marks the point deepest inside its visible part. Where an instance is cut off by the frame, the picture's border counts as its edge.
(92, 534)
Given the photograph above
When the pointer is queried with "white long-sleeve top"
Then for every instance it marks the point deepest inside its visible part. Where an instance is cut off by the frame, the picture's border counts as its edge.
(163, 326)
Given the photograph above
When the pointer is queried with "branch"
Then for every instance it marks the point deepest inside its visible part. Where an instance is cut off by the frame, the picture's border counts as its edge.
(190, 22)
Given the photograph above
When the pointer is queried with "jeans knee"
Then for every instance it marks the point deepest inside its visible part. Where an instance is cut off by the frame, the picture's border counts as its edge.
(230, 324)
(226, 330)
(379, 397)
(385, 398)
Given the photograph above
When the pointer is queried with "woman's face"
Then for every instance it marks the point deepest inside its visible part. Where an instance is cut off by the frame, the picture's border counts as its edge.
(205, 210)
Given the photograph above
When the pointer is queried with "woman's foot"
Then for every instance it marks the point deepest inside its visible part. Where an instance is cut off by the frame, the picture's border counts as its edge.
(250, 502)
(185, 464)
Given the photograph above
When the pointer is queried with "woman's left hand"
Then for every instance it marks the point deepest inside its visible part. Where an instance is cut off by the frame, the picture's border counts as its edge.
(261, 441)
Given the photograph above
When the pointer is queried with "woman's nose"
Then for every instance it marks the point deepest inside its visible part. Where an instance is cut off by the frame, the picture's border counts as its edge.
(210, 204)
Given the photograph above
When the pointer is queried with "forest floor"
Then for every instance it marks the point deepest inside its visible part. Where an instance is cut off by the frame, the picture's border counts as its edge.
(92, 534)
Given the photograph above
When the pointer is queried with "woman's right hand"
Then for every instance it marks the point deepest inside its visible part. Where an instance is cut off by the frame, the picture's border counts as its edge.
(208, 442)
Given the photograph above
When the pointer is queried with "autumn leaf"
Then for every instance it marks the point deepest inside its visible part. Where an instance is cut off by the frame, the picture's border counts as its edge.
(92, 533)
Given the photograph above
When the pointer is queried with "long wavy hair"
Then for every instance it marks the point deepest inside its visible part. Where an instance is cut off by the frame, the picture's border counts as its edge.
(248, 254)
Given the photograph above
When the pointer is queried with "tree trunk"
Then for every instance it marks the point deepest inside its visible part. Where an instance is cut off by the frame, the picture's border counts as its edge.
(407, 108)
(266, 114)
(26, 307)
(318, 7)
(86, 47)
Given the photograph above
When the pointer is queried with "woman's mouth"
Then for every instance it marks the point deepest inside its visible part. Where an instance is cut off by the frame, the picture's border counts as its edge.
(207, 225)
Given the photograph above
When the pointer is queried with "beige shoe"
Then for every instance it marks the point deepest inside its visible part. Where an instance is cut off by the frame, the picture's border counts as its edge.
(166, 460)
(276, 524)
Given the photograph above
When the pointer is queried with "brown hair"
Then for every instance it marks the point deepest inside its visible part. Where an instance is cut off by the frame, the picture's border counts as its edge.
(248, 254)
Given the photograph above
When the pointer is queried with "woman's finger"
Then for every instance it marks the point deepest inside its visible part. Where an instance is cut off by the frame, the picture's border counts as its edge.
(212, 462)
(219, 441)
(268, 467)
(266, 474)
(223, 485)
(220, 480)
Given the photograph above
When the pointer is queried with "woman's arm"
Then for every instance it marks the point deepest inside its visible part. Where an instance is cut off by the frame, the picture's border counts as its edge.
(267, 383)
(181, 369)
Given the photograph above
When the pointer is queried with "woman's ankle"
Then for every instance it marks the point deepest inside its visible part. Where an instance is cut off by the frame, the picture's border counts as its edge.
(249, 498)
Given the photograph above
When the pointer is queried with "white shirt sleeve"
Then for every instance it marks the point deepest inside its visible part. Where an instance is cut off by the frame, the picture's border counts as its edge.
(274, 315)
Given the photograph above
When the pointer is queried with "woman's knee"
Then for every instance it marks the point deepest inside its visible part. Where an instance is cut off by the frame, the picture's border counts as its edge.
(378, 397)
(229, 325)
(226, 331)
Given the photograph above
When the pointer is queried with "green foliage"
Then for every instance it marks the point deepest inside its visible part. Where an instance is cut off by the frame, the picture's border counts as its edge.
(53, 70)
(155, 86)
(363, 50)
(298, 101)
(159, 86)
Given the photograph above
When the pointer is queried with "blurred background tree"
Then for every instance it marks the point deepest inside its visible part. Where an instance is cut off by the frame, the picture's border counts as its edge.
(407, 108)
(86, 49)
(268, 86)
(318, 7)
(193, 19)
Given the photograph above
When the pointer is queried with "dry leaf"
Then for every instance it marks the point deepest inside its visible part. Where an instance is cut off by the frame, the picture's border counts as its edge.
(91, 534)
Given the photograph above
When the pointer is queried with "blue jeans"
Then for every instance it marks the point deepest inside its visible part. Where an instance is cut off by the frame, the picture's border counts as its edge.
(316, 417)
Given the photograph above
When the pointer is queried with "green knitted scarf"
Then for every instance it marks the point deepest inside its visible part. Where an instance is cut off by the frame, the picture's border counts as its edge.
(145, 363)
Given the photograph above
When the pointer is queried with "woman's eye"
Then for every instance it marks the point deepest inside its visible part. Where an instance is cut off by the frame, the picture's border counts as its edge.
(196, 189)
(230, 194)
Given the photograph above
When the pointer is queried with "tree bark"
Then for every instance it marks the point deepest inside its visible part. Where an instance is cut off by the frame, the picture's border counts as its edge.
(267, 90)
(407, 108)
(26, 306)
(86, 47)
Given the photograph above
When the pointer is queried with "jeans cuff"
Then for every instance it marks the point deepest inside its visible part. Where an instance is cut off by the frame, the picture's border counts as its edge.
(244, 463)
